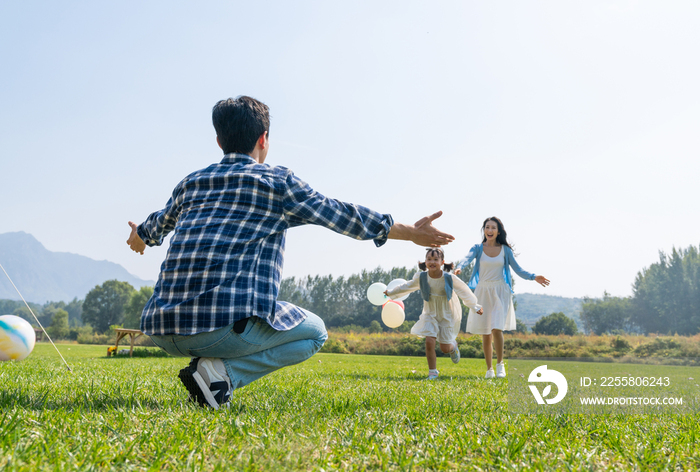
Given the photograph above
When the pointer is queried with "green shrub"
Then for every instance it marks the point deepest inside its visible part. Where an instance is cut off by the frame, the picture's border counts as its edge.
(405, 327)
(470, 346)
(140, 352)
(536, 343)
(375, 327)
(411, 346)
(335, 346)
(620, 344)
(659, 347)
(470, 351)
(475, 341)
(512, 343)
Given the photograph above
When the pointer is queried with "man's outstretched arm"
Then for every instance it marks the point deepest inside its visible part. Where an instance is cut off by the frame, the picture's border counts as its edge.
(303, 205)
(422, 233)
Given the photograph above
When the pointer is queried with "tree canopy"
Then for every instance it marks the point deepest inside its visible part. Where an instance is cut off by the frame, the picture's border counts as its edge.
(104, 304)
(607, 315)
(554, 324)
(666, 295)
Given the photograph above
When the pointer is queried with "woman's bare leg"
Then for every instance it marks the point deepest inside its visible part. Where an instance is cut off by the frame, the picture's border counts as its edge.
(488, 350)
(497, 335)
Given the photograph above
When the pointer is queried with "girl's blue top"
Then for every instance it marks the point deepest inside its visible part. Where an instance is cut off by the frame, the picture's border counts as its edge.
(475, 253)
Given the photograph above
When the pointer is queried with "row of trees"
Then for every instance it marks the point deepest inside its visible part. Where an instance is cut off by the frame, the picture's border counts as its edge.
(665, 299)
(340, 302)
(343, 301)
(112, 303)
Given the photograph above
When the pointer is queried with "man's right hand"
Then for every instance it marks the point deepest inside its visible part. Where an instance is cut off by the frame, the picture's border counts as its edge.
(135, 242)
(429, 235)
(422, 233)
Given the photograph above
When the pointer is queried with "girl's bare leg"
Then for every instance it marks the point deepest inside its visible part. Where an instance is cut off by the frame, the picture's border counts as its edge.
(498, 343)
(430, 352)
(447, 348)
(488, 350)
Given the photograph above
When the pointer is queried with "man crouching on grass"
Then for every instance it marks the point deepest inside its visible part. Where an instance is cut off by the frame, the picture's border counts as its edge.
(216, 296)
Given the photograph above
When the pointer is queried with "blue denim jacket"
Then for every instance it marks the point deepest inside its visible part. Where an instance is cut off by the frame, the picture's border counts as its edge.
(475, 253)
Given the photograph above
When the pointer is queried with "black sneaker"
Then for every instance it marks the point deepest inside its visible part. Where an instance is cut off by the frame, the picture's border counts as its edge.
(207, 381)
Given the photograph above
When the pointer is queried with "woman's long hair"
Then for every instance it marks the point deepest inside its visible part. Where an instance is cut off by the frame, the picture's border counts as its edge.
(502, 235)
(436, 250)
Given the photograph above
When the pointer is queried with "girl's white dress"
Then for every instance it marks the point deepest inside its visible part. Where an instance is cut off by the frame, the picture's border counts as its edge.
(441, 317)
(495, 296)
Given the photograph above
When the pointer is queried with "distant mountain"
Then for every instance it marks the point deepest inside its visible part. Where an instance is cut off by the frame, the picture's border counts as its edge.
(531, 307)
(42, 275)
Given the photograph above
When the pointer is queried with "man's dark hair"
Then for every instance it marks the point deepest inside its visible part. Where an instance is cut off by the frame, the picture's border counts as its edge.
(239, 122)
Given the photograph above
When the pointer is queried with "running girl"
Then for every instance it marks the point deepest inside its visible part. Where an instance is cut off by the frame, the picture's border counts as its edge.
(442, 312)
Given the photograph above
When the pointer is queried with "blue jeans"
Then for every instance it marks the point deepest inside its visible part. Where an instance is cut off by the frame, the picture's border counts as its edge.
(255, 352)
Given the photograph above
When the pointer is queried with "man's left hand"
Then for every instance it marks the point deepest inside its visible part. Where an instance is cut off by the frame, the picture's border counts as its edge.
(135, 242)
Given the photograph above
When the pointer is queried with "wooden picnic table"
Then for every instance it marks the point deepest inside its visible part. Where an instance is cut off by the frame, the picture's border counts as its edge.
(121, 333)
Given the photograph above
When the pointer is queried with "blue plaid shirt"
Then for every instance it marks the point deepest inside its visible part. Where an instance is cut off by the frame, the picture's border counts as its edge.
(227, 250)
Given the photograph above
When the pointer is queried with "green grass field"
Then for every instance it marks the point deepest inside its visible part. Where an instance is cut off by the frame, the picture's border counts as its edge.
(334, 412)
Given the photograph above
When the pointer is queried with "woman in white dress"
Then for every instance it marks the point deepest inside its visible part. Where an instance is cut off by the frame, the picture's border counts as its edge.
(442, 312)
(492, 283)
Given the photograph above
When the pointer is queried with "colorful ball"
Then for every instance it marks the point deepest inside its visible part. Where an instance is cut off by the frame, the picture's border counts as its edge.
(17, 338)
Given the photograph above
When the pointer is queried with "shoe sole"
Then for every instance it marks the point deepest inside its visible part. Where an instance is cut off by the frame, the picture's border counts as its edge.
(195, 385)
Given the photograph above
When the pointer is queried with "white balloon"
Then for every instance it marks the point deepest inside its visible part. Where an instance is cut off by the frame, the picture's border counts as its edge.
(393, 315)
(17, 338)
(375, 294)
(395, 283)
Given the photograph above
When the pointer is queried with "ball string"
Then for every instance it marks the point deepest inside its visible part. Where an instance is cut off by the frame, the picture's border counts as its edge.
(37, 319)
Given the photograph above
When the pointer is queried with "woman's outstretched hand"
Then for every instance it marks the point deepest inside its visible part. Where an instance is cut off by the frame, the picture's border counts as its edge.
(542, 280)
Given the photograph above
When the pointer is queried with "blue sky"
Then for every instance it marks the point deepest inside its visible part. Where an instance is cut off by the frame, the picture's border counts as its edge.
(574, 122)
